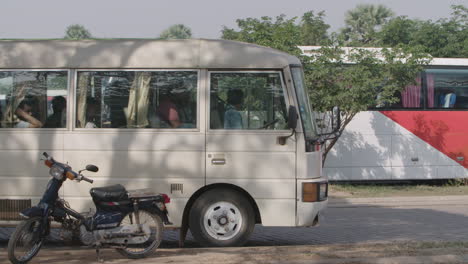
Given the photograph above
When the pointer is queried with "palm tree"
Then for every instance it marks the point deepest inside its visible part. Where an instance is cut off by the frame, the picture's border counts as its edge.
(364, 21)
(178, 31)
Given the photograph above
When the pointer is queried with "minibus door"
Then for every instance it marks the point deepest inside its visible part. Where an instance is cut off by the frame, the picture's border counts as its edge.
(247, 116)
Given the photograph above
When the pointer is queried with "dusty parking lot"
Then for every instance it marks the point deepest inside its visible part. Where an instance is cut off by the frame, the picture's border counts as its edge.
(423, 230)
(398, 252)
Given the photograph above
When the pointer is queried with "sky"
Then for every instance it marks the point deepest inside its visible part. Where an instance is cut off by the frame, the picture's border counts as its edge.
(206, 18)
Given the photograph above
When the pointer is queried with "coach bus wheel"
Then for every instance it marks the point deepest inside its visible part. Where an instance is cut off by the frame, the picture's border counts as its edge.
(222, 218)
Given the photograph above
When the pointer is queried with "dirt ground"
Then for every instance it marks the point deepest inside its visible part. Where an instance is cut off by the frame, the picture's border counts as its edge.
(402, 252)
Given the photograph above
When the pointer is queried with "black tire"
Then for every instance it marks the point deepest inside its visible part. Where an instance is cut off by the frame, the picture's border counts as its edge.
(148, 248)
(27, 234)
(222, 218)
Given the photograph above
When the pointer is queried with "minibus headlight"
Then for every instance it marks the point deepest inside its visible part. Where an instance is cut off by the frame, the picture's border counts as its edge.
(314, 191)
(56, 172)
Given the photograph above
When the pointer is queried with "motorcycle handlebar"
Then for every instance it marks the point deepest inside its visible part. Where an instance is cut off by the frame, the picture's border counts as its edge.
(86, 179)
(77, 176)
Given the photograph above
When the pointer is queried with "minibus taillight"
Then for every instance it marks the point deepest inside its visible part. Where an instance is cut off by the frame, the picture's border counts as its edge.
(314, 191)
(166, 198)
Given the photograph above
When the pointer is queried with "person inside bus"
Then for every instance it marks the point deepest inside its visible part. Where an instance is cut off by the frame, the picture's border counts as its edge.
(57, 119)
(167, 111)
(447, 98)
(93, 112)
(25, 114)
(232, 116)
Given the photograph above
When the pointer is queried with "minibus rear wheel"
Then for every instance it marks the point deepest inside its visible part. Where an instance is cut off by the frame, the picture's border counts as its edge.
(222, 218)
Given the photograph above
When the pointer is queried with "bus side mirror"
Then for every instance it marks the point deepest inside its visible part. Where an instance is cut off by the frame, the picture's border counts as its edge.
(292, 117)
(336, 119)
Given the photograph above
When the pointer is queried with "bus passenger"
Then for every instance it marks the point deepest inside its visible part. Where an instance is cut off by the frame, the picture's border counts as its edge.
(57, 119)
(167, 111)
(24, 113)
(232, 116)
(93, 112)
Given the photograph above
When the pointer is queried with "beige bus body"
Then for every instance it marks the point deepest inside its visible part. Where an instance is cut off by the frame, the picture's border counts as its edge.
(182, 163)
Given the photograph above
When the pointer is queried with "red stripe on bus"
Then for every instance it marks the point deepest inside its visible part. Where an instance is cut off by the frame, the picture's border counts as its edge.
(447, 131)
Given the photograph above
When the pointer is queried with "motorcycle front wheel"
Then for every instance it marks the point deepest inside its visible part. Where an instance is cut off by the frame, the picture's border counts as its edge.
(25, 241)
(154, 222)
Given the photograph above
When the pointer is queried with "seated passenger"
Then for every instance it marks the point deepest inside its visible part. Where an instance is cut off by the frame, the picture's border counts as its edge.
(25, 115)
(57, 119)
(168, 113)
(93, 112)
(232, 116)
(447, 99)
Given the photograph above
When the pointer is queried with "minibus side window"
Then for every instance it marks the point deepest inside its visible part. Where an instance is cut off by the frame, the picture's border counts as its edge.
(247, 101)
(33, 99)
(137, 99)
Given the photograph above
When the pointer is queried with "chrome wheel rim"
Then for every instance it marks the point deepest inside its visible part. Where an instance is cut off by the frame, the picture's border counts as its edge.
(222, 220)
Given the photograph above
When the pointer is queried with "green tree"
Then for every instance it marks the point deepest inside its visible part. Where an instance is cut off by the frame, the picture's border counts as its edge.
(76, 32)
(447, 37)
(398, 30)
(363, 22)
(372, 80)
(360, 79)
(314, 29)
(280, 33)
(178, 31)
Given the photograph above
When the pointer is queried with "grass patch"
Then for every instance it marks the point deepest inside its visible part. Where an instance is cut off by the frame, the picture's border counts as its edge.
(389, 190)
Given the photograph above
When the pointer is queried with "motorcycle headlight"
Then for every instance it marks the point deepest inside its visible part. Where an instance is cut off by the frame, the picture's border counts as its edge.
(56, 172)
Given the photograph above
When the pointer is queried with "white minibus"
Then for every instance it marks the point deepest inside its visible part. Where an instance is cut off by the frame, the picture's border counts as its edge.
(224, 128)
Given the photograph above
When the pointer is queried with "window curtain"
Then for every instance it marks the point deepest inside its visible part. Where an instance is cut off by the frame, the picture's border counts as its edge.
(18, 93)
(138, 101)
(411, 95)
(83, 82)
(430, 90)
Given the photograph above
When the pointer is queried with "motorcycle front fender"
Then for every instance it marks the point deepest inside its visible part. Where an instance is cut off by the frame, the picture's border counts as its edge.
(32, 212)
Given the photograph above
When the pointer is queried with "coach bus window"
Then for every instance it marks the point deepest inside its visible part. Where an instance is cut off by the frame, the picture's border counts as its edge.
(241, 100)
(33, 99)
(447, 88)
(411, 97)
(137, 99)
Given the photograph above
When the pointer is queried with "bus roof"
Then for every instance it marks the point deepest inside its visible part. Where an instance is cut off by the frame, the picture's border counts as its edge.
(310, 50)
(133, 53)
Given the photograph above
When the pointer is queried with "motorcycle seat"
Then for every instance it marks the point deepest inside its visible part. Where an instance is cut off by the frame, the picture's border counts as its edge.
(111, 193)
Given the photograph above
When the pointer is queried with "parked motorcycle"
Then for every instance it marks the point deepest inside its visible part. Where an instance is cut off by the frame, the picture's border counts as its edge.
(129, 221)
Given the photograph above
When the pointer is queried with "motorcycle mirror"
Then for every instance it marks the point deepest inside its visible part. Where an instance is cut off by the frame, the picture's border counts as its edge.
(92, 168)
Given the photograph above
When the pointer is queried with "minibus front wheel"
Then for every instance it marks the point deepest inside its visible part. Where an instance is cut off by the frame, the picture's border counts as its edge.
(222, 218)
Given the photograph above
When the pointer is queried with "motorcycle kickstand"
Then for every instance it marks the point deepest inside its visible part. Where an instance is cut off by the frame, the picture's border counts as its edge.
(98, 254)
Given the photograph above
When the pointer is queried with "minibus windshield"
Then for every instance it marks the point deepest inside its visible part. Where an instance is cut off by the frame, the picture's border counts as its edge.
(308, 122)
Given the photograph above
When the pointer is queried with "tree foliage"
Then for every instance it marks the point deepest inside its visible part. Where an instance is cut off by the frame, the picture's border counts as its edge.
(373, 79)
(446, 37)
(363, 23)
(76, 32)
(360, 79)
(178, 31)
(313, 29)
(279, 33)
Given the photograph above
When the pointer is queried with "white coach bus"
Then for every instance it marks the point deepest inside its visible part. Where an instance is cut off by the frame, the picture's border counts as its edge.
(424, 136)
(212, 123)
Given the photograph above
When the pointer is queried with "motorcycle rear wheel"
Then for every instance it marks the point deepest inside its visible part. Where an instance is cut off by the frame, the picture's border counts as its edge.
(154, 240)
(25, 241)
